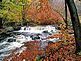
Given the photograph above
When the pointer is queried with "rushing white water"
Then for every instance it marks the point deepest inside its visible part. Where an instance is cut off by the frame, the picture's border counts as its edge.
(39, 33)
(37, 29)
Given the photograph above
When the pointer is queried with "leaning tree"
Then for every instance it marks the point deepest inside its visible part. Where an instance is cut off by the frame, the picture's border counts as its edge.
(75, 23)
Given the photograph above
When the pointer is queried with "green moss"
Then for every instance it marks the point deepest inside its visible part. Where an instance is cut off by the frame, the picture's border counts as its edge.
(79, 53)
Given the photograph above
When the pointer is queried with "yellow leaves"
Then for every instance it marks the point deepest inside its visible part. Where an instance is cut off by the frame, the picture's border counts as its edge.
(62, 26)
(29, 1)
(29, 16)
(38, 7)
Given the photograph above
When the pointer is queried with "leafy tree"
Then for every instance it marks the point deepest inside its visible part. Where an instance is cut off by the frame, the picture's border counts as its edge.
(25, 4)
(12, 10)
(40, 12)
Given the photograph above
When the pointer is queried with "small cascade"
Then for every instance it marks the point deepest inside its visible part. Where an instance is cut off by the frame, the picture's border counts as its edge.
(37, 33)
(38, 29)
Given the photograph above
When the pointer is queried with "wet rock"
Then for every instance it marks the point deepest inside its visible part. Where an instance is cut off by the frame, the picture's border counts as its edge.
(9, 29)
(45, 31)
(5, 34)
(2, 36)
(17, 28)
(11, 40)
(50, 41)
(34, 37)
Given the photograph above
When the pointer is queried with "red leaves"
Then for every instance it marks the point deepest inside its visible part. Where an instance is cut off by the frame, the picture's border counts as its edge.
(43, 14)
(61, 50)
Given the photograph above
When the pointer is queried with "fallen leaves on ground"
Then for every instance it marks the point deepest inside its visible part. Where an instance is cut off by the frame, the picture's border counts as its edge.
(63, 50)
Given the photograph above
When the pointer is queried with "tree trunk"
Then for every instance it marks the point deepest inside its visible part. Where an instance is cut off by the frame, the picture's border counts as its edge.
(23, 16)
(0, 0)
(66, 15)
(1, 19)
(1, 23)
(23, 13)
(75, 23)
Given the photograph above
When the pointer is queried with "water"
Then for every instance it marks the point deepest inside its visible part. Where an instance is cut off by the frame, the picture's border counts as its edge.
(39, 33)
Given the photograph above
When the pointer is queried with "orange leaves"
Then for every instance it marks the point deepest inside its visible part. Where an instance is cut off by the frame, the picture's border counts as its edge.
(55, 36)
(61, 50)
(41, 11)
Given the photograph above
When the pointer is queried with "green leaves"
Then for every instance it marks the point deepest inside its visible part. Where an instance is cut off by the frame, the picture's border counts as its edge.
(38, 59)
(10, 10)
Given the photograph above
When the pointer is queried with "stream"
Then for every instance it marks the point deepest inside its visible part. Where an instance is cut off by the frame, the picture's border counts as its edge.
(26, 34)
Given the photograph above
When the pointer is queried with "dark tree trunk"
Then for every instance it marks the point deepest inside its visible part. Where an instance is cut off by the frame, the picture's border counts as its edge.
(23, 13)
(1, 20)
(23, 16)
(0, 0)
(1, 23)
(75, 23)
(66, 15)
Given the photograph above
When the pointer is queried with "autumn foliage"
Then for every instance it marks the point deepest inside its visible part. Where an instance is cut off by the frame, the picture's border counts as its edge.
(62, 50)
(41, 12)
(55, 36)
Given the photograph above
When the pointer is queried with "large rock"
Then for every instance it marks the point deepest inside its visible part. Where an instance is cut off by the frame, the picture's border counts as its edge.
(9, 29)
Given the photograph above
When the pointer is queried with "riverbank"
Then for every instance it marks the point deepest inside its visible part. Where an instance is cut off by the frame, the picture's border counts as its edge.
(15, 39)
(63, 49)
